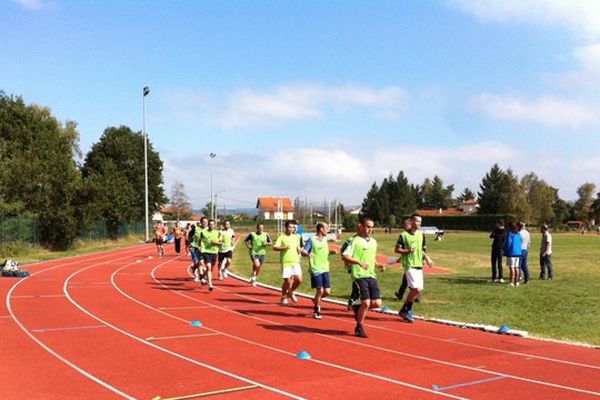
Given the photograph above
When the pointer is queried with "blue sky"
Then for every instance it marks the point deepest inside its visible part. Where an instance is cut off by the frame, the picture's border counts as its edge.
(320, 99)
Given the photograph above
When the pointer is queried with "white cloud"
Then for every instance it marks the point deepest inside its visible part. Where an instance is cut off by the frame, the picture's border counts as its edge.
(580, 16)
(547, 111)
(292, 102)
(318, 173)
(34, 5)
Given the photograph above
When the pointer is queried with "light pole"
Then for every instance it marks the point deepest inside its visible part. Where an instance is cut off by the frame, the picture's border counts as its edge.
(212, 204)
(145, 92)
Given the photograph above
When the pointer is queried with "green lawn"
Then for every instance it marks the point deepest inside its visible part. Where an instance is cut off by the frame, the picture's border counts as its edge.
(566, 308)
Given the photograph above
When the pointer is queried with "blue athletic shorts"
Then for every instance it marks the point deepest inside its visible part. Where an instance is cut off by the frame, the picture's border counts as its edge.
(261, 259)
(196, 256)
(320, 280)
(368, 288)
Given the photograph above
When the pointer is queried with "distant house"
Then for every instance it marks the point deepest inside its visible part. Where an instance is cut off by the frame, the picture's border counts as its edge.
(469, 206)
(355, 211)
(278, 208)
(575, 224)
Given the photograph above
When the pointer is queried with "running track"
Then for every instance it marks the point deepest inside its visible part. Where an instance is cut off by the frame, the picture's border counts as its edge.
(116, 324)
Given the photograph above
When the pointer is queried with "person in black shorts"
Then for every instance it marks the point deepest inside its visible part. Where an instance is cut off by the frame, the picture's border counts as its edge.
(361, 254)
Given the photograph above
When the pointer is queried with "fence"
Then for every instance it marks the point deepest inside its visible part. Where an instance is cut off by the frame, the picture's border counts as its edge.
(26, 230)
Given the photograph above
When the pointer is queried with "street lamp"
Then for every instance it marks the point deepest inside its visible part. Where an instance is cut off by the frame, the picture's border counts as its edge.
(212, 204)
(145, 92)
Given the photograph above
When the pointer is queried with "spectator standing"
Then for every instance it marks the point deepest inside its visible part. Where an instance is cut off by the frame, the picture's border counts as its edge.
(512, 249)
(498, 236)
(525, 243)
(546, 254)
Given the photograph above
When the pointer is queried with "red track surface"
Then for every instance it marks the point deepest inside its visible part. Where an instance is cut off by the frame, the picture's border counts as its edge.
(117, 325)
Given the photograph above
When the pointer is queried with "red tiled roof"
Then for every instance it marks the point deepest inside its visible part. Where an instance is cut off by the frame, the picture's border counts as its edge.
(446, 212)
(471, 202)
(270, 204)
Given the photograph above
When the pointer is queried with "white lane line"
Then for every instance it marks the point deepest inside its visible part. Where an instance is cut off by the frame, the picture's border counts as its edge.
(182, 308)
(254, 343)
(180, 356)
(453, 340)
(68, 328)
(48, 349)
(496, 373)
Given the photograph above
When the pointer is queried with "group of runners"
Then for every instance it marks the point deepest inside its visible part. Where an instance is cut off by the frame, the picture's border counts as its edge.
(210, 247)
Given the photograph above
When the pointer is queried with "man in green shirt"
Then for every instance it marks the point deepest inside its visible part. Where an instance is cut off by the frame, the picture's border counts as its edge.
(198, 269)
(210, 241)
(361, 255)
(411, 247)
(317, 249)
(226, 249)
(257, 243)
(289, 246)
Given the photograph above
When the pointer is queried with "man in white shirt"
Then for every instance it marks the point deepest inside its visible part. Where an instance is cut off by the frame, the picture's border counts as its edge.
(546, 254)
(525, 242)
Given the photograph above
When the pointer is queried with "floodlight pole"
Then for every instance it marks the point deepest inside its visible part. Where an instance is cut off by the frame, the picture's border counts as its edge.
(145, 93)
(212, 200)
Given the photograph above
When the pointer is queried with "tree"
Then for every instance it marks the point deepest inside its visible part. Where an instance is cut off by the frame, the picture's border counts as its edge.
(113, 196)
(435, 195)
(180, 202)
(491, 191)
(207, 209)
(39, 175)
(467, 194)
(540, 197)
(583, 205)
(126, 150)
(370, 208)
(116, 162)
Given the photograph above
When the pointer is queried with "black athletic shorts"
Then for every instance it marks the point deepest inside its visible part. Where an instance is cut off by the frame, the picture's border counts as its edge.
(369, 288)
(227, 254)
(209, 258)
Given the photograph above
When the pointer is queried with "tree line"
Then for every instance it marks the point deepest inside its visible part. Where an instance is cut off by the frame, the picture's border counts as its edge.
(501, 192)
(40, 178)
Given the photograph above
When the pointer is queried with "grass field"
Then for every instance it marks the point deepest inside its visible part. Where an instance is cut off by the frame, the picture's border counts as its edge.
(566, 308)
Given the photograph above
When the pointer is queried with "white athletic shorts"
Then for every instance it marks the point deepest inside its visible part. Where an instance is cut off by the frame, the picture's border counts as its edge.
(414, 277)
(291, 270)
(513, 262)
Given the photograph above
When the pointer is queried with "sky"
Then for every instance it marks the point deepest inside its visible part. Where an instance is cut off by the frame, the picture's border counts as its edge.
(319, 100)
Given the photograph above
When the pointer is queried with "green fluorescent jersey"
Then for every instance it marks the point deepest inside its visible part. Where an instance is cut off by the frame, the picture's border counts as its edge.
(362, 250)
(196, 238)
(290, 256)
(227, 240)
(319, 254)
(414, 260)
(208, 239)
(258, 243)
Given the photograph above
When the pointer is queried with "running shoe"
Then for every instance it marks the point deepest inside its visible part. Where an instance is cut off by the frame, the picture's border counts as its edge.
(225, 274)
(350, 302)
(203, 281)
(196, 279)
(317, 315)
(398, 296)
(210, 288)
(293, 296)
(407, 316)
(360, 332)
(284, 301)
(253, 280)
(501, 280)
